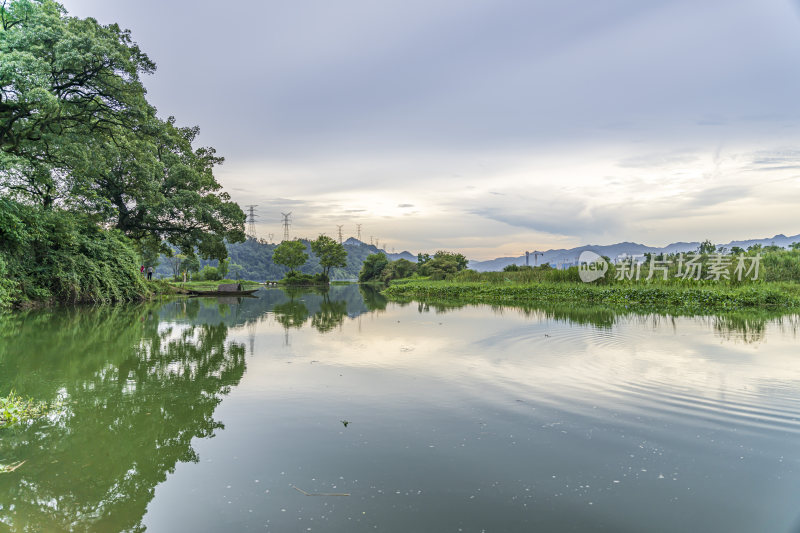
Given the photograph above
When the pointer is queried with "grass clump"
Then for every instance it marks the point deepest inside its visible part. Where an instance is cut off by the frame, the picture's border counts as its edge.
(15, 409)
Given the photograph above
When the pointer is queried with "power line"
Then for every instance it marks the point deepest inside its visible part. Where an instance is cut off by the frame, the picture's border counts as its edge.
(286, 225)
(251, 222)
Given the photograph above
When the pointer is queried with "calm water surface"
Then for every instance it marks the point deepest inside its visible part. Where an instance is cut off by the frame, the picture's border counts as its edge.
(215, 415)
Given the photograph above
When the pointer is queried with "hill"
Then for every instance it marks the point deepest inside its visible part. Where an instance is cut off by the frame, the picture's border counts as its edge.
(252, 260)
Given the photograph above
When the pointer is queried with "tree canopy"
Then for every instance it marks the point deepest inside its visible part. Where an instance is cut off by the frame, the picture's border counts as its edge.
(441, 264)
(291, 254)
(77, 133)
(372, 267)
(330, 253)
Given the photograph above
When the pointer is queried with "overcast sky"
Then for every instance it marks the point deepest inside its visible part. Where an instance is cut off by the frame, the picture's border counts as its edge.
(489, 127)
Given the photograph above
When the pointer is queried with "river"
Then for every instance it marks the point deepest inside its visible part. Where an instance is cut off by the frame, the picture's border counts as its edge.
(340, 411)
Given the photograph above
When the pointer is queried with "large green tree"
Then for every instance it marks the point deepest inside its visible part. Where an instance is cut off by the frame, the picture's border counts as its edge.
(77, 132)
(372, 267)
(442, 263)
(330, 253)
(291, 254)
(157, 188)
(63, 82)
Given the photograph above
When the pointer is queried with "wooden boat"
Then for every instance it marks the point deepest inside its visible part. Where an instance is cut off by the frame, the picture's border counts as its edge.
(225, 289)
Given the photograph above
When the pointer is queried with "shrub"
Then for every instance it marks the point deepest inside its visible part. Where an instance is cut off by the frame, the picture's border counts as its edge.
(49, 254)
(208, 273)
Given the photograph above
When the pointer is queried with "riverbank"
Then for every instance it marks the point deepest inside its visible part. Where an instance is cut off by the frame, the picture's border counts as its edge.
(209, 285)
(665, 299)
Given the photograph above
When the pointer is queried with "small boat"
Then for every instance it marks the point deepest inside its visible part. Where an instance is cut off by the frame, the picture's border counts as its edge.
(225, 289)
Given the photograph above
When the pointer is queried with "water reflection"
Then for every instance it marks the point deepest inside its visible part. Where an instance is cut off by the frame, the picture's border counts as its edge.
(136, 391)
(747, 326)
(526, 393)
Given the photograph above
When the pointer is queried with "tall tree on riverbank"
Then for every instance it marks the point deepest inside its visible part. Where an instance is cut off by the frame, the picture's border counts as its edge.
(330, 253)
(77, 133)
(291, 254)
(64, 82)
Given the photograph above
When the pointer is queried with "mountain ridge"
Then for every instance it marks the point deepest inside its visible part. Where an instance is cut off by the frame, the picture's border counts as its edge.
(568, 256)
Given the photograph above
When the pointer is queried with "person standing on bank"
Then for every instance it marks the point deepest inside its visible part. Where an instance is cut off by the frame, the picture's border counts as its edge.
(141, 271)
(149, 273)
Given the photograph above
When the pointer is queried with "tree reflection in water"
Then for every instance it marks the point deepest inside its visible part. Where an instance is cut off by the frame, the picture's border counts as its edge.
(136, 392)
(294, 313)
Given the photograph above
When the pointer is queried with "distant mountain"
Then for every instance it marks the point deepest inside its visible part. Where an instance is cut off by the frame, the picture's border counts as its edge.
(564, 257)
(352, 241)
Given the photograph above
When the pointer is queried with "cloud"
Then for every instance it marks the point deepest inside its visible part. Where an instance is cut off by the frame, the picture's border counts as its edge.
(405, 205)
(775, 160)
(651, 161)
(717, 195)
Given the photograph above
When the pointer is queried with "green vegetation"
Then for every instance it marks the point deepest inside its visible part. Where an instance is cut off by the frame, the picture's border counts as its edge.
(671, 299)
(57, 255)
(378, 268)
(373, 267)
(253, 260)
(298, 278)
(291, 254)
(15, 409)
(212, 285)
(94, 183)
(706, 282)
(330, 253)
(138, 391)
(441, 265)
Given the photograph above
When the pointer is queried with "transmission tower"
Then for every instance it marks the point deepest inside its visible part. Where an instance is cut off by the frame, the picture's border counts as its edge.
(340, 233)
(370, 240)
(359, 231)
(377, 243)
(271, 236)
(251, 221)
(286, 225)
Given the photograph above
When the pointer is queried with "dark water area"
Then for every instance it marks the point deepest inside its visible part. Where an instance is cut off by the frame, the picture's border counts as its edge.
(339, 411)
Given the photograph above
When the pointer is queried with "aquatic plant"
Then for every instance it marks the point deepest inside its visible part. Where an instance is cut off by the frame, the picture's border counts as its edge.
(15, 409)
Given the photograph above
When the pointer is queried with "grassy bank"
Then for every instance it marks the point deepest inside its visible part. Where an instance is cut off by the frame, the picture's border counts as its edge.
(211, 285)
(669, 299)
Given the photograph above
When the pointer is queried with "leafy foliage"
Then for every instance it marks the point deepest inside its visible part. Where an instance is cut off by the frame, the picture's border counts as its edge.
(290, 254)
(330, 253)
(373, 267)
(15, 409)
(77, 133)
(50, 254)
(298, 278)
(441, 264)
